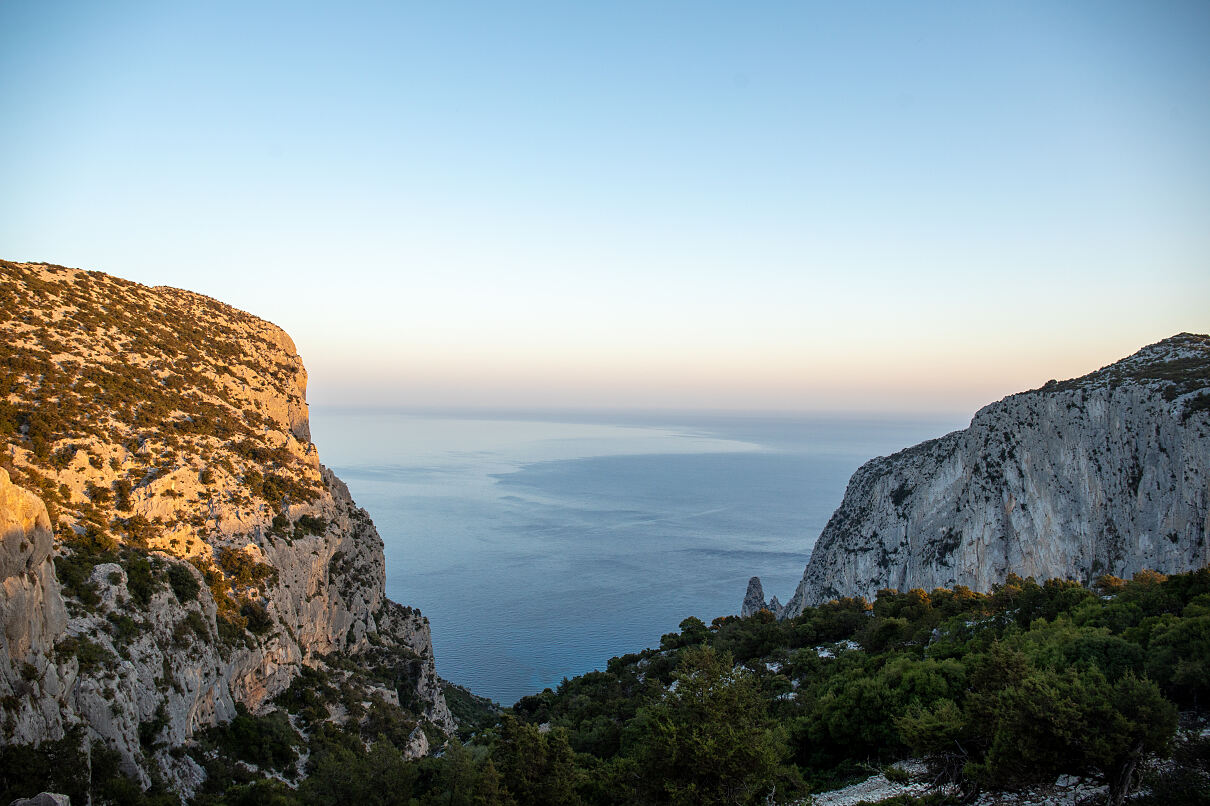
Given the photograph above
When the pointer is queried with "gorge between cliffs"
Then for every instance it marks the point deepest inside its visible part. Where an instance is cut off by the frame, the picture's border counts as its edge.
(195, 603)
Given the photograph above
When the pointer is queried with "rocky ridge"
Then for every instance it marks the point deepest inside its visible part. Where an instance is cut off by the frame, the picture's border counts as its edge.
(172, 547)
(1108, 473)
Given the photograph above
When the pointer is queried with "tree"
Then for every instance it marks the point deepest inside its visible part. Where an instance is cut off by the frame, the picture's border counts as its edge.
(709, 739)
(380, 777)
(694, 631)
(1074, 722)
(488, 787)
(1141, 722)
(458, 777)
(537, 768)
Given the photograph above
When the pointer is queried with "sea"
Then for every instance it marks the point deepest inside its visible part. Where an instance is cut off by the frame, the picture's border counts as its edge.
(540, 545)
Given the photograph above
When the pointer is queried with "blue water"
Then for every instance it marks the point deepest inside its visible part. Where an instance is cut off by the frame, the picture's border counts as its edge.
(540, 546)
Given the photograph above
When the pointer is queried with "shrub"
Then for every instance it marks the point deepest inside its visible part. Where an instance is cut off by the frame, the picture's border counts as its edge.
(139, 579)
(183, 583)
(243, 570)
(90, 655)
(193, 624)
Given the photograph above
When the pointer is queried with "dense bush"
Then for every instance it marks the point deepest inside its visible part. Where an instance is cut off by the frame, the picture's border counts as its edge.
(1003, 689)
(1008, 689)
(243, 570)
(68, 766)
(184, 585)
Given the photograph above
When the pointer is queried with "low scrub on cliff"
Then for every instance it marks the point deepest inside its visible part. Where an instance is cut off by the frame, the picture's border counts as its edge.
(1002, 690)
(996, 691)
(87, 773)
(195, 553)
(123, 406)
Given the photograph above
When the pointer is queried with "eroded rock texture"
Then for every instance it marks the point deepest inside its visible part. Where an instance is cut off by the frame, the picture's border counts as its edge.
(1107, 473)
(159, 448)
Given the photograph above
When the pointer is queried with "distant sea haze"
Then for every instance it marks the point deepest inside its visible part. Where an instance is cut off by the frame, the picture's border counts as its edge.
(541, 546)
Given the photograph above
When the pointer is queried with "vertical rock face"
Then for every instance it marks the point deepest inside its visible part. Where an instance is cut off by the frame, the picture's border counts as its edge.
(32, 616)
(1108, 473)
(205, 555)
(754, 599)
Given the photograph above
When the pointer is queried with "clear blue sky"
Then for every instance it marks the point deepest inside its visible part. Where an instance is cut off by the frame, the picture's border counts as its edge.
(712, 205)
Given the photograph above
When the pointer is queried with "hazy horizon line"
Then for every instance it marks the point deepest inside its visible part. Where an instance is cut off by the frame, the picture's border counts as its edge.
(467, 411)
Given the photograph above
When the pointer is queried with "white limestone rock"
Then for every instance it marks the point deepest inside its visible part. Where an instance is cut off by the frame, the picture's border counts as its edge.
(754, 598)
(32, 617)
(43, 799)
(1104, 474)
(161, 660)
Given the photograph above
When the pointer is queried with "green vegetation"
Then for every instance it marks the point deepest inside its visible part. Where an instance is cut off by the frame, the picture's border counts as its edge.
(266, 741)
(243, 570)
(1178, 377)
(1001, 690)
(158, 380)
(473, 713)
(146, 574)
(151, 372)
(1005, 689)
(89, 655)
(184, 586)
(68, 766)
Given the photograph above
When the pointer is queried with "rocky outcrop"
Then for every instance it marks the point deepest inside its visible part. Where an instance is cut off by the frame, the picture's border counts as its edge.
(43, 799)
(204, 554)
(33, 687)
(754, 600)
(1104, 474)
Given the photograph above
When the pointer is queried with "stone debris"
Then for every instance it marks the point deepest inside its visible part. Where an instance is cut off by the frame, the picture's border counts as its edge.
(43, 799)
(873, 789)
(1067, 790)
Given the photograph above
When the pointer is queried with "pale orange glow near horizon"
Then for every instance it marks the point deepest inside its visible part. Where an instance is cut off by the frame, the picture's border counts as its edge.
(591, 210)
(907, 377)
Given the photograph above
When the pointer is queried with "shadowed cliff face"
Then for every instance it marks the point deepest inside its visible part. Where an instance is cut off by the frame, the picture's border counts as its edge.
(204, 555)
(1108, 473)
(32, 618)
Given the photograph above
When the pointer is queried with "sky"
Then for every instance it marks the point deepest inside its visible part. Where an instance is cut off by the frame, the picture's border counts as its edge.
(800, 206)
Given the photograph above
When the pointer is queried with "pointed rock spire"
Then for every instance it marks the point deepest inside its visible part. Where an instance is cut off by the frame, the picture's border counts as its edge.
(754, 599)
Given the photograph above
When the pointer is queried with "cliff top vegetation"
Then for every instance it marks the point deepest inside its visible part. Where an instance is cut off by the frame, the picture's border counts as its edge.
(153, 418)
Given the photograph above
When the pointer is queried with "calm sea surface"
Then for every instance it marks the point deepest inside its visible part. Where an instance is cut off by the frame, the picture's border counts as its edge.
(541, 546)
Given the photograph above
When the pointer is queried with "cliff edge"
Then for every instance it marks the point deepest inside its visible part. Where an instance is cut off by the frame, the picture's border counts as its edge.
(1108, 473)
(172, 547)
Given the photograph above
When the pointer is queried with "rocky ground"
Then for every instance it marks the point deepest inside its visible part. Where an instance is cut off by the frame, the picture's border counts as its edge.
(1066, 791)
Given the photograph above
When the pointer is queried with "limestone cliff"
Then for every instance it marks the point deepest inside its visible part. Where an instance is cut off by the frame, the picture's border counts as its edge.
(32, 685)
(202, 554)
(1104, 474)
(754, 600)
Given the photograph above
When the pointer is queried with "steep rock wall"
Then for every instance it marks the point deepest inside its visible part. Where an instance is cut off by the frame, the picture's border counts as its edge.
(32, 686)
(1108, 473)
(207, 554)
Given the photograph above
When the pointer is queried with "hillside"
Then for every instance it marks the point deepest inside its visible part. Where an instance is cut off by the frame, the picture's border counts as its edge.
(1104, 474)
(1035, 692)
(193, 611)
(174, 553)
